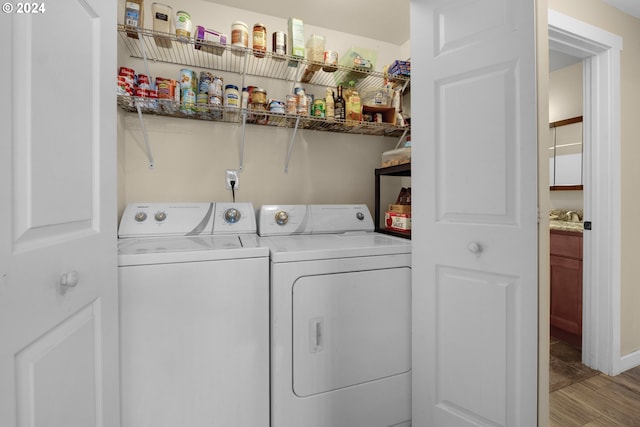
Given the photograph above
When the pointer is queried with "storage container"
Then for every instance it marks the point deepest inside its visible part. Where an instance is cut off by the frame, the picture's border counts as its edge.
(162, 19)
(376, 97)
(360, 57)
(315, 51)
(396, 157)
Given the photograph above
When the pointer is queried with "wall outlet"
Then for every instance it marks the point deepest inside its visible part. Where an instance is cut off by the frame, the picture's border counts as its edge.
(231, 175)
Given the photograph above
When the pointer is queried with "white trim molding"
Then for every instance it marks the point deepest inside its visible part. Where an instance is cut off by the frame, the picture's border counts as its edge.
(600, 51)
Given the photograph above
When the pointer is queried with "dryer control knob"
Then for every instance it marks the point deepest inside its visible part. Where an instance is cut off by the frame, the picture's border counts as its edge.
(282, 217)
(232, 215)
(360, 216)
(140, 216)
(160, 216)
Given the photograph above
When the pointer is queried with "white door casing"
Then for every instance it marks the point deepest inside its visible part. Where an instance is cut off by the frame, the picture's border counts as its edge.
(600, 51)
(475, 277)
(58, 268)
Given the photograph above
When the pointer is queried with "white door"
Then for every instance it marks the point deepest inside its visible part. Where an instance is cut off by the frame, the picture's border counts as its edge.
(475, 250)
(58, 265)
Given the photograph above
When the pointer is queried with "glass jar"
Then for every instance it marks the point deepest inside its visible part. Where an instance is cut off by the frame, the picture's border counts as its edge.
(259, 96)
(258, 113)
(259, 40)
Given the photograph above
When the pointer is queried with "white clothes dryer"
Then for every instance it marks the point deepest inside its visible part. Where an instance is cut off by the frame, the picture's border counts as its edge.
(194, 313)
(340, 318)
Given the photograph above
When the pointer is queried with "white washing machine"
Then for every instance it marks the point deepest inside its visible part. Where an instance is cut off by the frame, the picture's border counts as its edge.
(194, 316)
(340, 318)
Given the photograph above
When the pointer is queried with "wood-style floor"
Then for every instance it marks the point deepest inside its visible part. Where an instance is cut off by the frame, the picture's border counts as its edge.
(580, 396)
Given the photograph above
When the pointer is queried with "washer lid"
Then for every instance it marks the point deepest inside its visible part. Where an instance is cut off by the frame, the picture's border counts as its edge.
(328, 246)
(165, 250)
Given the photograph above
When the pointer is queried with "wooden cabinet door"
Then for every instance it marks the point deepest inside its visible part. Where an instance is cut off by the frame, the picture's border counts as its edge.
(566, 294)
(566, 287)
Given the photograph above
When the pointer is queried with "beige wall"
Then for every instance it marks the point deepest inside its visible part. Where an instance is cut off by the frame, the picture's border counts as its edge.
(191, 156)
(602, 15)
(565, 93)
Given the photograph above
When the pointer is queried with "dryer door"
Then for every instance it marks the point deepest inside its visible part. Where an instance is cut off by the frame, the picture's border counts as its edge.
(350, 328)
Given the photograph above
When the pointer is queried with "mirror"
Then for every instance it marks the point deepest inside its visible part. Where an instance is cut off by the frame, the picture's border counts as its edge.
(565, 154)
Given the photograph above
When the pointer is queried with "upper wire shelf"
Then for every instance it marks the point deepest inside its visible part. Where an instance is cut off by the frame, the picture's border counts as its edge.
(167, 48)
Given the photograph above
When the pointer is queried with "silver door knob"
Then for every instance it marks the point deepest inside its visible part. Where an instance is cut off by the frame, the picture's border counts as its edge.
(474, 247)
(68, 280)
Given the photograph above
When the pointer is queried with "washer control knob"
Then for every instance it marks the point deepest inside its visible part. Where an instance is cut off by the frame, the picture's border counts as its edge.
(140, 216)
(360, 216)
(160, 216)
(282, 217)
(232, 215)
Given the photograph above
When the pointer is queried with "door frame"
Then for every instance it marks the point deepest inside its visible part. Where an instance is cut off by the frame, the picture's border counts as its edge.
(600, 51)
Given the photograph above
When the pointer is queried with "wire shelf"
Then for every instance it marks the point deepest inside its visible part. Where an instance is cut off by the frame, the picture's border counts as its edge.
(167, 48)
(211, 112)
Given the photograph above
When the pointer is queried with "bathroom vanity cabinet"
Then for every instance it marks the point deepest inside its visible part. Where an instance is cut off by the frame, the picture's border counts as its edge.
(566, 286)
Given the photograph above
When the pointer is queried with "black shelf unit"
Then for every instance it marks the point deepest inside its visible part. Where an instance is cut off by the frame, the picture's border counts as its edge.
(397, 170)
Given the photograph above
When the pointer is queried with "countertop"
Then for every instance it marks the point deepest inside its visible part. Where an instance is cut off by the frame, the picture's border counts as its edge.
(573, 226)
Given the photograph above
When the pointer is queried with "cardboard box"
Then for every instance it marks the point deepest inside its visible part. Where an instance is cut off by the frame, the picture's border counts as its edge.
(397, 221)
(399, 208)
(388, 113)
(296, 37)
(401, 68)
(209, 37)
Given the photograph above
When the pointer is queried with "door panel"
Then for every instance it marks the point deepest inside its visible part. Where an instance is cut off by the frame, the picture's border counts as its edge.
(476, 161)
(457, 23)
(350, 328)
(55, 114)
(42, 369)
(58, 265)
(475, 229)
(472, 311)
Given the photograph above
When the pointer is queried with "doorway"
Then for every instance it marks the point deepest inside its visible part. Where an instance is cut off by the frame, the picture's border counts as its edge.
(600, 53)
(566, 214)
